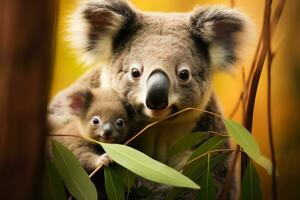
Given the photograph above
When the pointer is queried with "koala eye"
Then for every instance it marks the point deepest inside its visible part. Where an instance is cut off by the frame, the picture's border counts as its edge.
(120, 122)
(96, 120)
(184, 74)
(136, 71)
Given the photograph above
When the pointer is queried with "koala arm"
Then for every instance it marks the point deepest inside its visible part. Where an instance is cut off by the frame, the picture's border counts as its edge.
(59, 112)
(89, 154)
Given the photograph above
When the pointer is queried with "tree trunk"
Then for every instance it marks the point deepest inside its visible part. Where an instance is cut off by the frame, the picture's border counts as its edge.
(27, 30)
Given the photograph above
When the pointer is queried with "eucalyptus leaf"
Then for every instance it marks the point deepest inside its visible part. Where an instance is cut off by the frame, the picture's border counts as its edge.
(144, 166)
(246, 140)
(54, 188)
(74, 176)
(251, 184)
(208, 189)
(211, 144)
(187, 142)
(201, 171)
(113, 184)
(196, 168)
(127, 176)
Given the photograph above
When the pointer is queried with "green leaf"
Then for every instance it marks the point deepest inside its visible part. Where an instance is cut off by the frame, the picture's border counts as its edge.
(187, 142)
(208, 190)
(144, 166)
(74, 176)
(246, 140)
(194, 169)
(127, 176)
(113, 184)
(211, 144)
(201, 171)
(251, 184)
(54, 188)
(215, 161)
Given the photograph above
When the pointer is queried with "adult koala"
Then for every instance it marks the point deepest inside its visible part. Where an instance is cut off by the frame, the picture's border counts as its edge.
(160, 62)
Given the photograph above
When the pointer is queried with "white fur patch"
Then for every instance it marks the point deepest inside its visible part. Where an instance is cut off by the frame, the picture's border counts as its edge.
(105, 78)
(78, 32)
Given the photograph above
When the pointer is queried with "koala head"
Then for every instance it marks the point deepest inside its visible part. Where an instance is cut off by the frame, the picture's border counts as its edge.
(161, 62)
(102, 115)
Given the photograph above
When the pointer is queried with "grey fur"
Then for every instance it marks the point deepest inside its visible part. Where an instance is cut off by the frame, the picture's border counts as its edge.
(203, 41)
(84, 105)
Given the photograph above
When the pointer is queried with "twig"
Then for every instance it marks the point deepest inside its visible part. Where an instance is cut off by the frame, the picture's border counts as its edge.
(168, 117)
(266, 50)
(256, 77)
(230, 175)
(212, 151)
(100, 167)
(220, 134)
(274, 23)
(270, 128)
(65, 135)
(159, 121)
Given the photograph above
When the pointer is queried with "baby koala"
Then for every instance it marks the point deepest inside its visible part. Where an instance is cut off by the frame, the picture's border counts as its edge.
(98, 114)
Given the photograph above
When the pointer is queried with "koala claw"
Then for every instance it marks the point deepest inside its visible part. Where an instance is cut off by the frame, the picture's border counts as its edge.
(104, 159)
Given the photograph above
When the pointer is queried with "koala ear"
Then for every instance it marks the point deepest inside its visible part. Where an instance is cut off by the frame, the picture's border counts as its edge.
(80, 102)
(225, 31)
(95, 25)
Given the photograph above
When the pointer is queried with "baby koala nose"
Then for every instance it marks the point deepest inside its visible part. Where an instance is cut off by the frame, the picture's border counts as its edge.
(107, 129)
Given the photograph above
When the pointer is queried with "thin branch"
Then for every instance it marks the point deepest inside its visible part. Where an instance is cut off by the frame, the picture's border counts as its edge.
(149, 126)
(274, 23)
(212, 151)
(220, 134)
(270, 128)
(256, 77)
(66, 135)
(100, 167)
(226, 187)
(168, 117)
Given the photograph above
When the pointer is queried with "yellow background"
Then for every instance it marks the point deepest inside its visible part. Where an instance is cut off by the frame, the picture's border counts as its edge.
(228, 87)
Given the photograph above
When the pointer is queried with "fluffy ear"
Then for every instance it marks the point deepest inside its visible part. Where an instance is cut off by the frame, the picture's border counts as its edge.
(225, 31)
(95, 26)
(80, 102)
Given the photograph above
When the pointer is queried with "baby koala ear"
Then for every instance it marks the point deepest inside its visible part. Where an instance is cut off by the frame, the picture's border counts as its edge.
(80, 101)
(96, 25)
(226, 32)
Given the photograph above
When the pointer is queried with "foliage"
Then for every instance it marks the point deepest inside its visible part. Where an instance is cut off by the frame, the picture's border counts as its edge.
(251, 184)
(54, 188)
(75, 178)
(246, 140)
(119, 177)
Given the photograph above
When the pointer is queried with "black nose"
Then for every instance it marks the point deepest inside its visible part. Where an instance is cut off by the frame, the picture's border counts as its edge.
(107, 129)
(158, 85)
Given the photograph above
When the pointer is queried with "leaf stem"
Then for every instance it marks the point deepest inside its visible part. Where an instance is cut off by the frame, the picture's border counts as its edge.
(168, 117)
(206, 153)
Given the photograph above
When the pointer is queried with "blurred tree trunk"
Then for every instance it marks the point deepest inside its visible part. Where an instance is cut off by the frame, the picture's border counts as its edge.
(27, 31)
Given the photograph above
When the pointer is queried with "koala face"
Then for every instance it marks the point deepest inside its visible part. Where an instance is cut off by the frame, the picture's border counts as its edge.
(161, 63)
(163, 80)
(101, 114)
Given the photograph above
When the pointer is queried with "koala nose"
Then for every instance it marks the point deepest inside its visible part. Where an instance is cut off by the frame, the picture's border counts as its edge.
(107, 129)
(157, 95)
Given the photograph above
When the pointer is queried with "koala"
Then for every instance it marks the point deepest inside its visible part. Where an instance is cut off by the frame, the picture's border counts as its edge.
(97, 114)
(160, 63)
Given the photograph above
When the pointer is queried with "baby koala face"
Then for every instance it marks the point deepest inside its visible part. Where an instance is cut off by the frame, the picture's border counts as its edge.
(109, 124)
(102, 114)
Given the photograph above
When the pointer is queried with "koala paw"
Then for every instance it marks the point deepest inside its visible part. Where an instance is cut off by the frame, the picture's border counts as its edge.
(104, 159)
